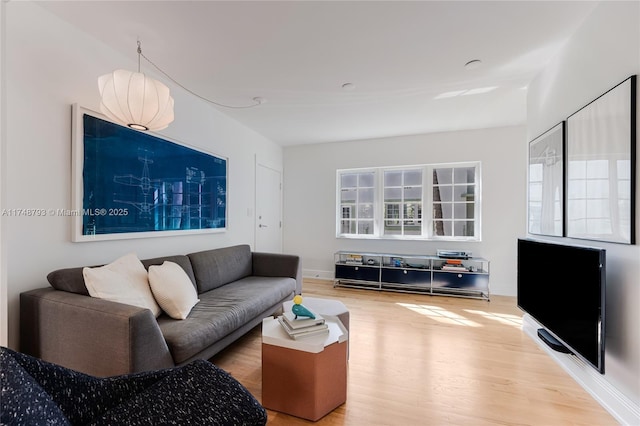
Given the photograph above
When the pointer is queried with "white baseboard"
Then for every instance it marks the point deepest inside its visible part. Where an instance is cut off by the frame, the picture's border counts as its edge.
(313, 273)
(626, 411)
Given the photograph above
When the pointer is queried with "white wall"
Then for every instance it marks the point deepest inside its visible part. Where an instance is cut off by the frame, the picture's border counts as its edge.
(49, 66)
(604, 52)
(310, 195)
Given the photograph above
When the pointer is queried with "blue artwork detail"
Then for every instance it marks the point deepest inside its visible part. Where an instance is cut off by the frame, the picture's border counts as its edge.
(136, 182)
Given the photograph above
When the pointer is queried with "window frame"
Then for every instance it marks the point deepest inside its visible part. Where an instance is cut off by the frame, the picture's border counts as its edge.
(354, 207)
(427, 204)
(401, 203)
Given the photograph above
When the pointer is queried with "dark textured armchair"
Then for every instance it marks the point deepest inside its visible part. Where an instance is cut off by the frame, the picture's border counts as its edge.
(199, 393)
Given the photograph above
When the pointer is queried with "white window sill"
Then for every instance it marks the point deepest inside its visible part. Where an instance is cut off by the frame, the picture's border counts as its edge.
(407, 238)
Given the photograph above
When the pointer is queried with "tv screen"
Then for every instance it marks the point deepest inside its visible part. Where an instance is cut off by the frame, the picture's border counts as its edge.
(563, 288)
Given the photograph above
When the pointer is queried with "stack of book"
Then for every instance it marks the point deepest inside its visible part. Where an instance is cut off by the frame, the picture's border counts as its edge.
(301, 327)
(354, 259)
(454, 265)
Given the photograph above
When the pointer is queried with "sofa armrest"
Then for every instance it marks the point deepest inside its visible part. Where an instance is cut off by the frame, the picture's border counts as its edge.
(278, 265)
(91, 335)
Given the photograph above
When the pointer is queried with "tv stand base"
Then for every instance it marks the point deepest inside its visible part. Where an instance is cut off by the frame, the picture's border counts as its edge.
(552, 342)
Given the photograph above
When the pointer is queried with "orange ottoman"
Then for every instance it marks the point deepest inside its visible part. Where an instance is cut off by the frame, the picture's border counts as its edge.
(307, 377)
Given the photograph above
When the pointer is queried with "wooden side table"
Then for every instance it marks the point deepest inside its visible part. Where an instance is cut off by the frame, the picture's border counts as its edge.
(306, 378)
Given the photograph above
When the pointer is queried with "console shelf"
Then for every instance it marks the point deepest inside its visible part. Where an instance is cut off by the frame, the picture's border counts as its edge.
(413, 273)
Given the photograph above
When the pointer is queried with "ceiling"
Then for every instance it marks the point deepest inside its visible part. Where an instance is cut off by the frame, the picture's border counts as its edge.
(405, 60)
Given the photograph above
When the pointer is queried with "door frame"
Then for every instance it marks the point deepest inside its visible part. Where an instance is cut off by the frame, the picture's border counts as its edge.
(259, 163)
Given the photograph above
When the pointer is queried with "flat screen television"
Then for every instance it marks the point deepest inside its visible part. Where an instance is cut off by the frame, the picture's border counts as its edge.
(563, 288)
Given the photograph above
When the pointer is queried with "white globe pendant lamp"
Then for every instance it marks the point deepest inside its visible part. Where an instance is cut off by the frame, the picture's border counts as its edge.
(135, 100)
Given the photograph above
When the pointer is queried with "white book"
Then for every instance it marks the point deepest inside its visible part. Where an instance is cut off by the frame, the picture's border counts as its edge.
(292, 331)
(301, 322)
(273, 333)
(454, 268)
(324, 331)
(316, 330)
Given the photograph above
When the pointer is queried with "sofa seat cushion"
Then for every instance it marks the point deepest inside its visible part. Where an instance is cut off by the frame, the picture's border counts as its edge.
(222, 311)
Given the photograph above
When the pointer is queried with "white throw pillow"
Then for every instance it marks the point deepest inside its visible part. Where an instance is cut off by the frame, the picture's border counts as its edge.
(173, 289)
(124, 280)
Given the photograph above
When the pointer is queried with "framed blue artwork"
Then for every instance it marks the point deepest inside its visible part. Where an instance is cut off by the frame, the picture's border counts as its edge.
(130, 184)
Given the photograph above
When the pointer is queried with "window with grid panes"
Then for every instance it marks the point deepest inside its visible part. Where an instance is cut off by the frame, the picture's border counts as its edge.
(433, 201)
(454, 201)
(403, 202)
(356, 203)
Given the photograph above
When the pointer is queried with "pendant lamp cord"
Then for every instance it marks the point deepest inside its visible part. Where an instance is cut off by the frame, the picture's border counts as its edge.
(257, 100)
(139, 54)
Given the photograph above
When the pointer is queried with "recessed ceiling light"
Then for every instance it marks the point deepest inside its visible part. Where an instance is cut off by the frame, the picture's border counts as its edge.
(473, 64)
(348, 86)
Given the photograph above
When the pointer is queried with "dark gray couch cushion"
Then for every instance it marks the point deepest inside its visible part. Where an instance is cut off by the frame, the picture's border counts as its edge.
(217, 267)
(72, 280)
(221, 311)
(68, 279)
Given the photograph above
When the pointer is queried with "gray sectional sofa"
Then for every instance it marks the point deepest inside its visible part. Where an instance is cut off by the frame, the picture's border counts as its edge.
(237, 288)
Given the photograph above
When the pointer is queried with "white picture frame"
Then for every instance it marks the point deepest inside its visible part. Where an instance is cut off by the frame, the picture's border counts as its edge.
(601, 167)
(545, 203)
(162, 187)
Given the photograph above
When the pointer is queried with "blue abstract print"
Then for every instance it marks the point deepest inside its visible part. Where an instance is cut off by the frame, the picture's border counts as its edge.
(136, 182)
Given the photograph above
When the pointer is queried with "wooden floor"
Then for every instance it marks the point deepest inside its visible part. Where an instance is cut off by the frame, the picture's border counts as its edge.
(433, 360)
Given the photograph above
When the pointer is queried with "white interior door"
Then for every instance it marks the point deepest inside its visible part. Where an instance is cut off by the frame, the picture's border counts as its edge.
(268, 209)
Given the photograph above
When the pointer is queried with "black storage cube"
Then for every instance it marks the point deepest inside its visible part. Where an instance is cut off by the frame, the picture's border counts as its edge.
(460, 280)
(357, 272)
(406, 276)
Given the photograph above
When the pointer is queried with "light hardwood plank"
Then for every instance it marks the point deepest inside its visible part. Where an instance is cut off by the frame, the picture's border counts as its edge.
(434, 360)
